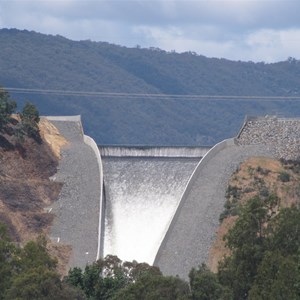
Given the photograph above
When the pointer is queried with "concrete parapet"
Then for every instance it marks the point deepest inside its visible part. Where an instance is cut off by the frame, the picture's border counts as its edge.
(90, 142)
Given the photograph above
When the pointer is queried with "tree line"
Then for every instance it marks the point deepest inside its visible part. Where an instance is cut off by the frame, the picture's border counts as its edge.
(18, 125)
(264, 264)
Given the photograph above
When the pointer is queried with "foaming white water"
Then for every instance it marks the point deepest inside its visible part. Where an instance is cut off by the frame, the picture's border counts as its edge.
(148, 151)
(142, 195)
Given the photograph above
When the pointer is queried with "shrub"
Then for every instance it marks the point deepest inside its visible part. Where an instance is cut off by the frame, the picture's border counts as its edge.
(284, 176)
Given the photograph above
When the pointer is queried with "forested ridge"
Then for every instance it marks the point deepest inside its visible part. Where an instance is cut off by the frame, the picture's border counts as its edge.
(33, 60)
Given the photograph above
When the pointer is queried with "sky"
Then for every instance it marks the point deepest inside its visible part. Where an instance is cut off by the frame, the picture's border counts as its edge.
(246, 30)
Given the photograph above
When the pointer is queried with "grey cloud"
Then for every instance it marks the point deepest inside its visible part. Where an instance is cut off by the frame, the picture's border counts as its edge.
(231, 14)
(199, 24)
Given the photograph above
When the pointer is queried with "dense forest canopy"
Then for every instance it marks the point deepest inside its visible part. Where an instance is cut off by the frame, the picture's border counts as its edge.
(37, 61)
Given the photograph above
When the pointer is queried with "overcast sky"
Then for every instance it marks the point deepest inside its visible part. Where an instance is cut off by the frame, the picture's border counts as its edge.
(257, 30)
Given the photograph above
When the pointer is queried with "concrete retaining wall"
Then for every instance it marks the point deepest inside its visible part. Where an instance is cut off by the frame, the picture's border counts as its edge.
(89, 141)
(203, 162)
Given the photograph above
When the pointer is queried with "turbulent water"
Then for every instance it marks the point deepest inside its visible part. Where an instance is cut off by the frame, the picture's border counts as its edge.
(149, 151)
(142, 194)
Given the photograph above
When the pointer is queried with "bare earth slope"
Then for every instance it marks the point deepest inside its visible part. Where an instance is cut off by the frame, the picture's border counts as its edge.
(25, 187)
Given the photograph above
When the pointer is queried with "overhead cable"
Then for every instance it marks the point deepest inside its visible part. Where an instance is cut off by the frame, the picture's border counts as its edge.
(124, 96)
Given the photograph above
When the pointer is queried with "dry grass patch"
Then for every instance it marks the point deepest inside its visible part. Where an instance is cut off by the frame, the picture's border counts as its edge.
(52, 136)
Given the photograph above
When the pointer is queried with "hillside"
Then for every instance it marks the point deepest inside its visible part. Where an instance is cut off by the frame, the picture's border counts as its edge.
(33, 60)
(256, 177)
(26, 189)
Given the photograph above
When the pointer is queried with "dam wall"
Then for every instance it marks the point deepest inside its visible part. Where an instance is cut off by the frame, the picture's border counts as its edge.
(161, 204)
(204, 161)
(191, 233)
(147, 151)
(91, 142)
(189, 186)
(76, 211)
(193, 227)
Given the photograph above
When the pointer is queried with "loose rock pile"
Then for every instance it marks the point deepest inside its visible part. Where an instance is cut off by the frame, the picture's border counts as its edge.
(282, 135)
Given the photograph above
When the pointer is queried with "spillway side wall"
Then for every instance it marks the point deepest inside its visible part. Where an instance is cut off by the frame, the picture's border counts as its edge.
(90, 142)
(203, 162)
(140, 151)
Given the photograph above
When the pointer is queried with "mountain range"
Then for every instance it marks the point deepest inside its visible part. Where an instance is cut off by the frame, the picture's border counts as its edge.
(137, 96)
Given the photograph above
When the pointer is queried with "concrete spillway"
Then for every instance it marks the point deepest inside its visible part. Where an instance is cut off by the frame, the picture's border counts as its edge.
(192, 230)
(141, 195)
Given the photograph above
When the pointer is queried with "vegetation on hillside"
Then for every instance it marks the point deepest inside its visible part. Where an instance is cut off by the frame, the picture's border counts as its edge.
(264, 264)
(265, 248)
(27, 163)
(32, 60)
(260, 227)
(20, 126)
(30, 273)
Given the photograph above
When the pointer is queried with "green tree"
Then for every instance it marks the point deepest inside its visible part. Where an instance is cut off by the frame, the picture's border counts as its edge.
(102, 279)
(277, 278)
(29, 120)
(110, 278)
(284, 231)
(7, 254)
(155, 287)
(247, 241)
(7, 107)
(35, 254)
(41, 283)
(75, 278)
(34, 275)
(205, 285)
(265, 245)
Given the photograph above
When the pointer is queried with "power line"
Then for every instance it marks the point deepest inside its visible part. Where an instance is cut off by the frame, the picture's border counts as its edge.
(145, 95)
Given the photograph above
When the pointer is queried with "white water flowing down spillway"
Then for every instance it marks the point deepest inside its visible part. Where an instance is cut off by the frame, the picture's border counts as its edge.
(142, 194)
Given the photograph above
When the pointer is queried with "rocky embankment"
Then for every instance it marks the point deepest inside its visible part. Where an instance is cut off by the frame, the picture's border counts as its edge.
(280, 134)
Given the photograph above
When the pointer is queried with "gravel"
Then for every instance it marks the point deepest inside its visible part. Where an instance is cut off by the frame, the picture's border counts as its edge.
(77, 209)
(281, 133)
